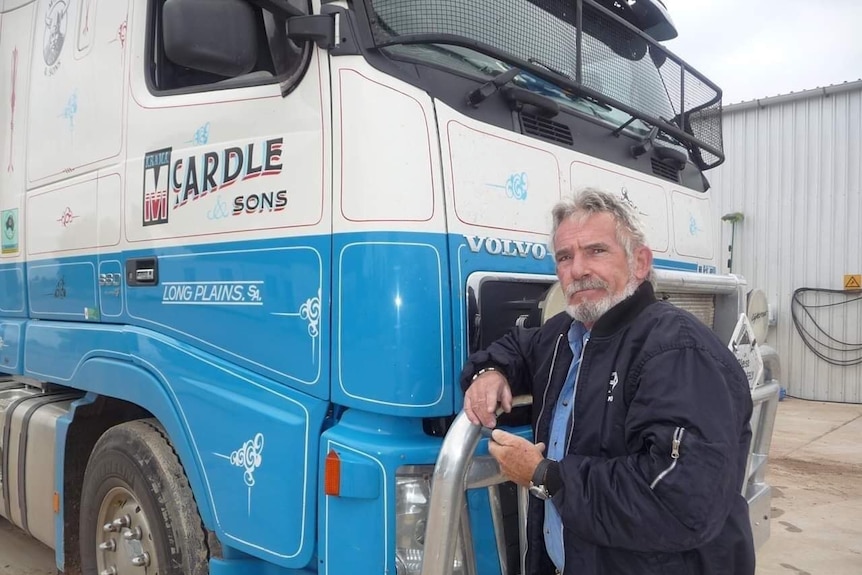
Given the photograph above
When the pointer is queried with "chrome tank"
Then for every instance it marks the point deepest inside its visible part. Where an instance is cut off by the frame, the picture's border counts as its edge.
(28, 422)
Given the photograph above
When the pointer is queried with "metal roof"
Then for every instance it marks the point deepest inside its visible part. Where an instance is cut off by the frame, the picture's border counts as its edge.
(782, 98)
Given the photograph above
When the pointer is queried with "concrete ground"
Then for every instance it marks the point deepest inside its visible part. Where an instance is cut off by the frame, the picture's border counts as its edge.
(22, 555)
(815, 469)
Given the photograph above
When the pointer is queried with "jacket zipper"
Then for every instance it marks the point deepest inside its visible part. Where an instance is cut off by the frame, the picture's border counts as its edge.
(542, 410)
(674, 454)
(574, 393)
(548, 384)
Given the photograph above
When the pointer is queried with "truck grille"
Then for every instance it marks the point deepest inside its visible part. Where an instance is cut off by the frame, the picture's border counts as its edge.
(663, 170)
(702, 306)
(546, 129)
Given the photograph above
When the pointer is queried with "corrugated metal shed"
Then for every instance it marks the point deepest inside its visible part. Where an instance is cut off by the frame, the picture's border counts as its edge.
(794, 170)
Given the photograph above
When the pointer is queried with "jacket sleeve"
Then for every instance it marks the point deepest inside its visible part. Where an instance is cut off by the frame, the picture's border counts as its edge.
(685, 429)
(510, 355)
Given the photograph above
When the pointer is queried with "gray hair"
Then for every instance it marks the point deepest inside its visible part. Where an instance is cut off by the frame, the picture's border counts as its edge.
(591, 201)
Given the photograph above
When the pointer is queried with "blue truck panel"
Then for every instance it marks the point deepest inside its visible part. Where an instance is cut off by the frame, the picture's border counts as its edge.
(392, 326)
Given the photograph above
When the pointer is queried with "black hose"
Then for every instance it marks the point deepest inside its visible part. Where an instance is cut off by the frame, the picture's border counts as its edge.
(823, 345)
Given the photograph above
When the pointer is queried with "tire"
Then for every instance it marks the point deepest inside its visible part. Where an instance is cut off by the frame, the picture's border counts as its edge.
(137, 508)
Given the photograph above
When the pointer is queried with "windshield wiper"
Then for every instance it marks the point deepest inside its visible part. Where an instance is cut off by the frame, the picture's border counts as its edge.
(538, 62)
(590, 99)
(646, 143)
(517, 97)
(668, 155)
(483, 92)
(488, 89)
(618, 130)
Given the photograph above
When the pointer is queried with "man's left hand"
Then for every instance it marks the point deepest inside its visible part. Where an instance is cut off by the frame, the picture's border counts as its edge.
(517, 457)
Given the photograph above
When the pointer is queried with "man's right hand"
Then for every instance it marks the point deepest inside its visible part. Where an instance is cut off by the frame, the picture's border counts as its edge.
(485, 394)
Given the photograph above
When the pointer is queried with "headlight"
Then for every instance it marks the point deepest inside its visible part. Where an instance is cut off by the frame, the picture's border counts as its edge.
(412, 497)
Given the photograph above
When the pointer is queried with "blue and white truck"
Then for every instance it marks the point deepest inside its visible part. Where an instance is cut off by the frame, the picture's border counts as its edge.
(248, 244)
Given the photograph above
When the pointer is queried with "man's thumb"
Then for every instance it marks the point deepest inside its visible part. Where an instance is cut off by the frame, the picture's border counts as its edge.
(500, 436)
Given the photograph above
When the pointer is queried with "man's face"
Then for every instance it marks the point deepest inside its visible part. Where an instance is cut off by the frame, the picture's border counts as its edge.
(593, 268)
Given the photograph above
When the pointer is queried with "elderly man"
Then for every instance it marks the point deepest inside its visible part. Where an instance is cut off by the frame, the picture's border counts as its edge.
(643, 410)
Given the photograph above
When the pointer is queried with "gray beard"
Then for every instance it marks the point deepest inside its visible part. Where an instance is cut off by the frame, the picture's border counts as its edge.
(589, 312)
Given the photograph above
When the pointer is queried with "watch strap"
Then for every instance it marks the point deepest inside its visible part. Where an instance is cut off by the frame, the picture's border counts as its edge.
(483, 371)
(540, 472)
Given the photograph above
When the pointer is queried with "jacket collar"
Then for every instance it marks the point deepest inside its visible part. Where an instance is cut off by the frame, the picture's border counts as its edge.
(625, 311)
(616, 317)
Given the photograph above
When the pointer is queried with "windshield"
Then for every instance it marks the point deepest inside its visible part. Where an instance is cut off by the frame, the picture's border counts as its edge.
(473, 62)
(604, 68)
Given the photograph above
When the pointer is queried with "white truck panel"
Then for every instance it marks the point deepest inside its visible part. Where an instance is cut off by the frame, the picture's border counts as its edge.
(79, 94)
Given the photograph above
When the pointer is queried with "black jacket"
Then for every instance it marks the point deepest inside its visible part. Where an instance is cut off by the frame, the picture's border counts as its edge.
(650, 371)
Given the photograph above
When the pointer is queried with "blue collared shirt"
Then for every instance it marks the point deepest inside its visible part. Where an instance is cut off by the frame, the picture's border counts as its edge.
(556, 449)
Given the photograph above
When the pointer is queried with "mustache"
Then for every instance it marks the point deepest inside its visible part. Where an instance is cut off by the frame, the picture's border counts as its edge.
(592, 283)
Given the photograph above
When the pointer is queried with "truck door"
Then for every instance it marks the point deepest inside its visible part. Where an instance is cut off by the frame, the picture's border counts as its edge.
(226, 206)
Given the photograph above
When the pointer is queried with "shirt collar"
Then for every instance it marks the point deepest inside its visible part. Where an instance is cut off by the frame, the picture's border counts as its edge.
(578, 334)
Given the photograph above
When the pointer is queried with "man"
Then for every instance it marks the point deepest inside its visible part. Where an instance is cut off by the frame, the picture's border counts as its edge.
(644, 412)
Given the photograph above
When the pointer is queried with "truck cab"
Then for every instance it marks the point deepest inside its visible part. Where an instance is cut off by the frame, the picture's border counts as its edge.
(248, 245)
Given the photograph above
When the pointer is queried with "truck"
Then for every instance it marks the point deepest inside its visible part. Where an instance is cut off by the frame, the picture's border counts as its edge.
(248, 244)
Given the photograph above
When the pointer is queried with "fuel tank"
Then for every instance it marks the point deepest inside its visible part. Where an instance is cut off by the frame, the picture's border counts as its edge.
(28, 423)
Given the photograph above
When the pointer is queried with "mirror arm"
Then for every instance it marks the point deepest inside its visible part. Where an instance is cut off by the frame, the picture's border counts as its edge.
(318, 28)
(279, 7)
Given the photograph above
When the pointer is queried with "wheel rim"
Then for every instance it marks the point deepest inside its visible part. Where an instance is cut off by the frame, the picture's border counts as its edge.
(124, 541)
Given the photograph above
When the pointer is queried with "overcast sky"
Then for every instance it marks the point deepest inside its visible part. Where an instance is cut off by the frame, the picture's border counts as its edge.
(759, 48)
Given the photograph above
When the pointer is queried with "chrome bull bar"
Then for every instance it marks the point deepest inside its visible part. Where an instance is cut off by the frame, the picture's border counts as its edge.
(756, 490)
(457, 470)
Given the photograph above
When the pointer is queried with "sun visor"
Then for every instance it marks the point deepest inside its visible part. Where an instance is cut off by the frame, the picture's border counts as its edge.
(650, 16)
(654, 19)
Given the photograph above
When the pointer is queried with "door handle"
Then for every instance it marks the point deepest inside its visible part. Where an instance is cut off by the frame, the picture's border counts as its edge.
(142, 271)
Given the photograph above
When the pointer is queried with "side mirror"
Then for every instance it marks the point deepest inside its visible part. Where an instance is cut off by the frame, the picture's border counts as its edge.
(215, 36)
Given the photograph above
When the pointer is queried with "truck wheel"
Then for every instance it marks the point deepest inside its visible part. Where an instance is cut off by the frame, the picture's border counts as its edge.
(137, 508)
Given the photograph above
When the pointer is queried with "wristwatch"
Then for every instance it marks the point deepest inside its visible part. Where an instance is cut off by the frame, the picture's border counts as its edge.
(537, 483)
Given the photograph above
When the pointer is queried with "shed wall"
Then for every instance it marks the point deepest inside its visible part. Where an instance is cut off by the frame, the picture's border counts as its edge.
(794, 169)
